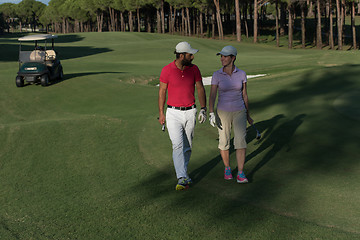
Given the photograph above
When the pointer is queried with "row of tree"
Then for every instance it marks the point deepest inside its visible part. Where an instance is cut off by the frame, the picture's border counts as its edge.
(191, 17)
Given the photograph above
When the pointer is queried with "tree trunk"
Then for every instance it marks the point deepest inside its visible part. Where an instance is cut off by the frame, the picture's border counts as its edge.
(353, 24)
(158, 22)
(112, 19)
(171, 20)
(63, 26)
(122, 22)
(255, 21)
(339, 23)
(310, 13)
(318, 28)
(343, 14)
(331, 31)
(162, 17)
(194, 21)
(245, 16)
(213, 25)
(188, 21)
(138, 19)
(303, 27)
(290, 27)
(100, 18)
(277, 23)
(201, 22)
(219, 21)
(131, 25)
(238, 21)
(282, 18)
(174, 28)
(183, 22)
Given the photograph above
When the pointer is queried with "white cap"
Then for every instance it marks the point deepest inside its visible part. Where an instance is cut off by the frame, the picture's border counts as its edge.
(184, 47)
(227, 51)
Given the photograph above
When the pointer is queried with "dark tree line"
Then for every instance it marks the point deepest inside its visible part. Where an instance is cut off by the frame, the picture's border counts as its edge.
(203, 18)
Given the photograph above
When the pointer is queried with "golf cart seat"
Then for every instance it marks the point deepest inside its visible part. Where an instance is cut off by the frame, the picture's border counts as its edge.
(50, 57)
(37, 56)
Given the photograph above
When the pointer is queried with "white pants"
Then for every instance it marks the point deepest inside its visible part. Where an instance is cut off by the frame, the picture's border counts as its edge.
(180, 125)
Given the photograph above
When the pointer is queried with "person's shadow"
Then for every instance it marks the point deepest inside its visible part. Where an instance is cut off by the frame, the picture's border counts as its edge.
(275, 139)
(265, 126)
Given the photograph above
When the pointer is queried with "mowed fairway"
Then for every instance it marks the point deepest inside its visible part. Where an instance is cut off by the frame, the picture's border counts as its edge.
(85, 158)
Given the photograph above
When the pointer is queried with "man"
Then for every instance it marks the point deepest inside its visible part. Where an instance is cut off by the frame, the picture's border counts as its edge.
(178, 80)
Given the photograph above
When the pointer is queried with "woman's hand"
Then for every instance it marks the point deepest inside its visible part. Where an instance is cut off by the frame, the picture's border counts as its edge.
(250, 120)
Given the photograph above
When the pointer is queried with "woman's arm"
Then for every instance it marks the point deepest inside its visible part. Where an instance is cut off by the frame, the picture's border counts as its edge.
(246, 101)
(213, 93)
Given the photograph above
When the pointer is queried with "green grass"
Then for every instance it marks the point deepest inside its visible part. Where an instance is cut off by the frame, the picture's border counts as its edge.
(85, 158)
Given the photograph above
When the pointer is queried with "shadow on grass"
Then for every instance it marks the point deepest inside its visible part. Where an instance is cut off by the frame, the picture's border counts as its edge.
(325, 149)
(75, 75)
(72, 76)
(276, 139)
(10, 51)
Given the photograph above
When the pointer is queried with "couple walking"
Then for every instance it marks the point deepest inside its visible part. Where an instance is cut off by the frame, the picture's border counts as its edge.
(177, 82)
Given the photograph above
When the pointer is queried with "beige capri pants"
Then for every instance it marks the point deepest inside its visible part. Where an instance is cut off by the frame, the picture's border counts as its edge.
(237, 120)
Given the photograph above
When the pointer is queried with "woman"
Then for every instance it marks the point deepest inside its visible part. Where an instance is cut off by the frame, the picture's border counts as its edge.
(232, 110)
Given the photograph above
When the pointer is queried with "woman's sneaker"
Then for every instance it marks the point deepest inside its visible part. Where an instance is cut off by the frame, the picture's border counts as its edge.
(241, 178)
(227, 174)
(182, 184)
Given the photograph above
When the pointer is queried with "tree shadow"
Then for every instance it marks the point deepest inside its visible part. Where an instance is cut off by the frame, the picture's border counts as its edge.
(276, 139)
(10, 52)
(72, 76)
(75, 75)
(10, 49)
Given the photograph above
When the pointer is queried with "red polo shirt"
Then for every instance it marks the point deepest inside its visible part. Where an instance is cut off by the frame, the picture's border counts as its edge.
(180, 84)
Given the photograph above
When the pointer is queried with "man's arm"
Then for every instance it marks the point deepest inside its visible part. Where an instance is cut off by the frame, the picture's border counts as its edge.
(161, 100)
(201, 94)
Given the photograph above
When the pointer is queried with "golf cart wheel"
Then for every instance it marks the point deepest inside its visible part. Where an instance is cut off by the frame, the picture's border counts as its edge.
(44, 80)
(61, 75)
(19, 81)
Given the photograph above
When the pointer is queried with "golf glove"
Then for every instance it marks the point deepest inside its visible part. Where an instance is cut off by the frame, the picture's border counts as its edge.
(202, 116)
(212, 119)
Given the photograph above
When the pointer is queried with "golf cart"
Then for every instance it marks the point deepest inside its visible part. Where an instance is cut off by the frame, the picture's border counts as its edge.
(40, 64)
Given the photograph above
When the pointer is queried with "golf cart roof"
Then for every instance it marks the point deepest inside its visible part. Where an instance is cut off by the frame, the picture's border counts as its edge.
(37, 37)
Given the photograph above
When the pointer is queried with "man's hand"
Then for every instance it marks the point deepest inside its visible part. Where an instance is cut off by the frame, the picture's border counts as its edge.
(202, 116)
(212, 119)
(161, 119)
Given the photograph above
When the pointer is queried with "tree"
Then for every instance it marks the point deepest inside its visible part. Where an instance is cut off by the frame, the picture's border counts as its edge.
(257, 4)
(119, 5)
(202, 6)
(331, 31)
(290, 25)
(8, 11)
(94, 8)
(238, 21)
(218, 19)
(339, 23)
(2, 23)
(277, 23)
(29, 11)
(318, 26)
(303, 23)
(353, 24)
